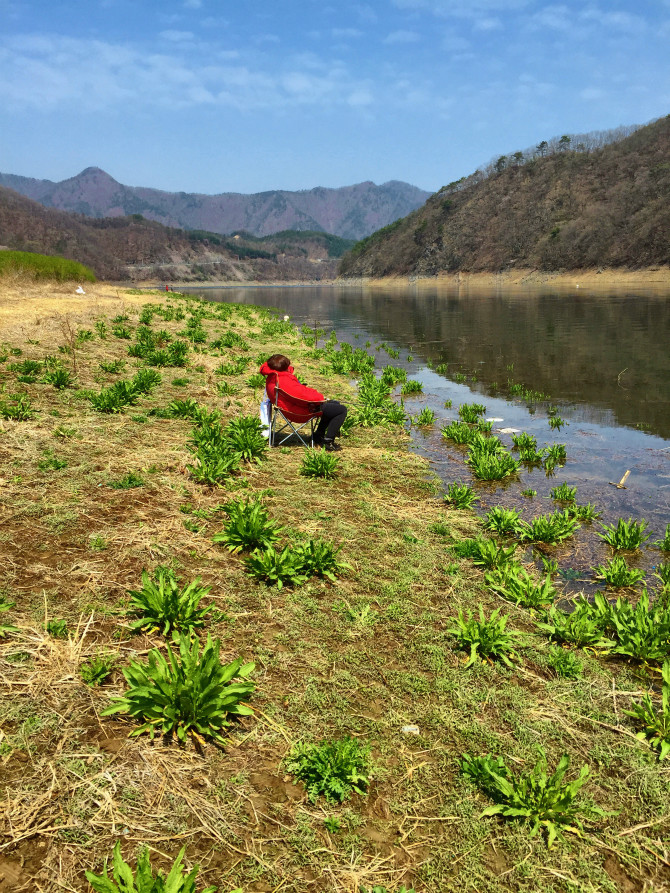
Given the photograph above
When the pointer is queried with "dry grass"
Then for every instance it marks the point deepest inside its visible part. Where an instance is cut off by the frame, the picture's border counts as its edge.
(71, 548)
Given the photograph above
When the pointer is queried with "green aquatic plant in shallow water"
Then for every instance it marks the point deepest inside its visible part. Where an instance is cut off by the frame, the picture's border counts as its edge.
(332, 769)
(189, 693)
(554, 528)
(504, 522)
(618, 573)
(461, 496)
(625, 536)
(654, 722)
(124, 880)
(470, 412)
(496, 466)
(458, 432)
(545, 800)
(581, 627)
(563, 493)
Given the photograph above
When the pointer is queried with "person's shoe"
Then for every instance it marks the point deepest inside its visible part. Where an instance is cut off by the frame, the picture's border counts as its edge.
(331, 447)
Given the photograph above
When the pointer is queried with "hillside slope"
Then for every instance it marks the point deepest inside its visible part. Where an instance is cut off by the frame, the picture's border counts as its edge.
(570, 210)
(351, 211)
(133, 248)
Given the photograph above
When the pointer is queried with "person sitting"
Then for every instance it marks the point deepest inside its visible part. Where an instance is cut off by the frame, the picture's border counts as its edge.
(278, 372)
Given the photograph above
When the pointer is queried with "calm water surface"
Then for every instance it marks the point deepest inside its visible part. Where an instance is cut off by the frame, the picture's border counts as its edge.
(602, 359)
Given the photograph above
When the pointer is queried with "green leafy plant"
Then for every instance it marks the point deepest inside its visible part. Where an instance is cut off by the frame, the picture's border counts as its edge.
(564, 493)
(490, 554)
(248, 527)
(163, 605)
(122, 332)
(641, 632)
(581, 627)
(529, 493)
(332, 769)
(6, 628)
(663, 572)
(391, 376)
(654, 723)
(515, 584)
(565, 663)
(57, 629)
(96, 670)
(618, 573)
(317, 464)
(470, 412)
(543, 799)
(556, 422)
(244, 436)
(485, 638)
(277, 567)
(319, 559)
(113, 367)
(524, 442)
(60, 378)
(586, 512)
(554, 528)
(492, 467)
(256, 381)
(424, 419)
(26, 367)
(461, 496)
(625, 535)
(504, 522)
(458, 432)
(213, 468)
(411, 386)
(127, 482)
(664, 544)
(189, 693)
(18, 408)
(124, 880)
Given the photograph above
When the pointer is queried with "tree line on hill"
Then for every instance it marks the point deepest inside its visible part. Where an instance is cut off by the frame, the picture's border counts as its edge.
(559, 207)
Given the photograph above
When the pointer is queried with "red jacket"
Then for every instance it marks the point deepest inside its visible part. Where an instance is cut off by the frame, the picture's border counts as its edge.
(289, 387)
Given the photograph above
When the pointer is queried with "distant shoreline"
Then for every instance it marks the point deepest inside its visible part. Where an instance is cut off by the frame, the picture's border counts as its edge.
(655, 277)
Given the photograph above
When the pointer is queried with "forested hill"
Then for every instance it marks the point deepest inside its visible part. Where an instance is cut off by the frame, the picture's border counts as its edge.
(569, 210)
(131, 247)
(351, 212)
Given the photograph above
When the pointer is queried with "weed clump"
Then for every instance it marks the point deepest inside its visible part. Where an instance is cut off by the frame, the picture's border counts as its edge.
(461, 496)
(190, 694)
(485, 638)
(124, 880)
(625, 535)
(332, 769)
(545, 800)
(162, 605)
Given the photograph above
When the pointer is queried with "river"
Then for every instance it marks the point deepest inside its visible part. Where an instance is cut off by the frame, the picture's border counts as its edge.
(601, 358)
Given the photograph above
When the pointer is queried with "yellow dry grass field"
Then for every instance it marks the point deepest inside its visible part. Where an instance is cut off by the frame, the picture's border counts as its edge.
(89, 500)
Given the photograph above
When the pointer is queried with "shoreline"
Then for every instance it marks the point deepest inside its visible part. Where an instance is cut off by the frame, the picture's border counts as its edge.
(651, 277)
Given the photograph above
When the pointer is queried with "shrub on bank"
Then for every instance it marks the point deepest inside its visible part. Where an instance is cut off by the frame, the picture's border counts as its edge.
(41, 266)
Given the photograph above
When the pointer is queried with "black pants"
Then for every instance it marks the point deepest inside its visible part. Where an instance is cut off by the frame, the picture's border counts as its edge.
(334, 414)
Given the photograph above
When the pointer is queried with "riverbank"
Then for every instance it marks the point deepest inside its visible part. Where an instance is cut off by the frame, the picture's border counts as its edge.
(88, 500)
(656, 278)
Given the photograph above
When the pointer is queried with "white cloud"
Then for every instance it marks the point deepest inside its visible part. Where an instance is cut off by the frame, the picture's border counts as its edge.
(49, 72)
(467, 8)
(401, 37)
(346, 32)
(176, 36)
(592, 94)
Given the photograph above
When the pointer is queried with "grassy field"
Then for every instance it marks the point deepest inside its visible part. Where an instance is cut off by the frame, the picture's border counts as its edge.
(89, 500)
(41, 266)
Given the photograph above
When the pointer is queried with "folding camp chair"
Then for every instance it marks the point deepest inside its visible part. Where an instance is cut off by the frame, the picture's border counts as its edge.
(300, 423)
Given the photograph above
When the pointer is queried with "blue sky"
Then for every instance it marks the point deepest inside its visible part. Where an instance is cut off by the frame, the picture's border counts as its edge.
(218, 96)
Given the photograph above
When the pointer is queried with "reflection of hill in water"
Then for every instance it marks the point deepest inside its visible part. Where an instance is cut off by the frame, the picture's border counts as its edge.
(574, 348)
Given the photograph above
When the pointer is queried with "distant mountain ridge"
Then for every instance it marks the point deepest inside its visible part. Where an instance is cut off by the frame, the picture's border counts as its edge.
(351, 212)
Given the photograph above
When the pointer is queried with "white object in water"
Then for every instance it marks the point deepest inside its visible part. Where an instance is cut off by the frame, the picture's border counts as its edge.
(286, 318)
(494, 419)
(510, 430)
(80, 290)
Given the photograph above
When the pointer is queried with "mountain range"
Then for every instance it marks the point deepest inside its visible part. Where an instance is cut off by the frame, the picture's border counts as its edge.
(351, 212)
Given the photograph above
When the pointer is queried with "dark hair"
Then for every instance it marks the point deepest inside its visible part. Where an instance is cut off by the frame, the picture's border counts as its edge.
(279, 362)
